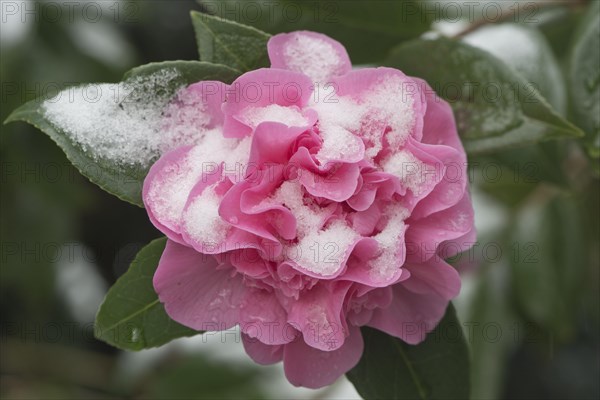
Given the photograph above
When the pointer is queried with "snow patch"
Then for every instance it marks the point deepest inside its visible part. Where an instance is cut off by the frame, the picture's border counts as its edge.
(124, 122)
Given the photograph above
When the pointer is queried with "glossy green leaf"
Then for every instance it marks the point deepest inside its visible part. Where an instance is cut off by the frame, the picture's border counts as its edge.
(368, 29)
(188, 72)
(121, 179)
(584, 77)
(437, 368)
(131, 316)
(221, 41)
(495, 107)
(534, 60)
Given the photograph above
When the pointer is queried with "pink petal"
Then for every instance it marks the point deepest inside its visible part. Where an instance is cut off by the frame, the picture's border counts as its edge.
(272, 143)
(196, 291)
(313, 368)
(439, 125)
(411, 315)
(263, 318)
(424, 236)
(363, 300)
(248, 261)
(383, 266)
(317, 313)
(452, 248)
(333, 253)
(363, 199)
(240, 208)
(425, 169)
(450, 185)
(167, 187)
(212, 96)
(261, 353)
(440, 130)
(336, 181)
(365, 222)
(435, 275)
(274, 95)
(391, 100)
(314, 54)
(202, 227)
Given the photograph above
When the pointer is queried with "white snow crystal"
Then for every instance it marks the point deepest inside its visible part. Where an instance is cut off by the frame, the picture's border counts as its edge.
(124, 122)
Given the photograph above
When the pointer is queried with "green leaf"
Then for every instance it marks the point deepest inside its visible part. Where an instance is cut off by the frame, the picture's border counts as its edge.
(220, 41)
(533, 59)
(584, 77)
(131, 316)
(189, 72)
(368, 29)
(122, 179)
(495, 107)
(513, 174)
(437, 368)
(549, 262)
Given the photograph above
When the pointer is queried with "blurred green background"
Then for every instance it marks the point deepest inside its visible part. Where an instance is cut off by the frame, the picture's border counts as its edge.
(530, 300)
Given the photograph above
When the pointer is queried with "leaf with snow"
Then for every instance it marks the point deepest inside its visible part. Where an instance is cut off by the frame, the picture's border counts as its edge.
(494, 106)
(112, 132)
(131, 316)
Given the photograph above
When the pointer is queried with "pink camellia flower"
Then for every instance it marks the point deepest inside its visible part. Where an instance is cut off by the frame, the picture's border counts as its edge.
(316, 200)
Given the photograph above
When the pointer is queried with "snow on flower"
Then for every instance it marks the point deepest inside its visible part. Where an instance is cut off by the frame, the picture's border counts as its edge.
(314, 202)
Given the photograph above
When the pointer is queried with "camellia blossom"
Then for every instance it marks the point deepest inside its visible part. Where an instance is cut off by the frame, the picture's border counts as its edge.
(316, 199)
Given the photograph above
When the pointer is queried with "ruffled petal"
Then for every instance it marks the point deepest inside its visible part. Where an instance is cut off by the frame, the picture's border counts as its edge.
(411, 315)
(274, 95)
(313, 368)
(335, 181)
(272, 143)
(383, 106)
(424, 236)
(381, 269)
(197, 290)
(439, 125)
(263, 318)
(435, 276)
(364, 300)
(314, 54)
(211, 95)
(167, 187)
(261, 353)
(317, 314)
(448, 190)
(240, 208)
(451, 248)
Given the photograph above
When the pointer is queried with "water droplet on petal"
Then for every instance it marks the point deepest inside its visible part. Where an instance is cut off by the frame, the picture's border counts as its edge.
(215, 303)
